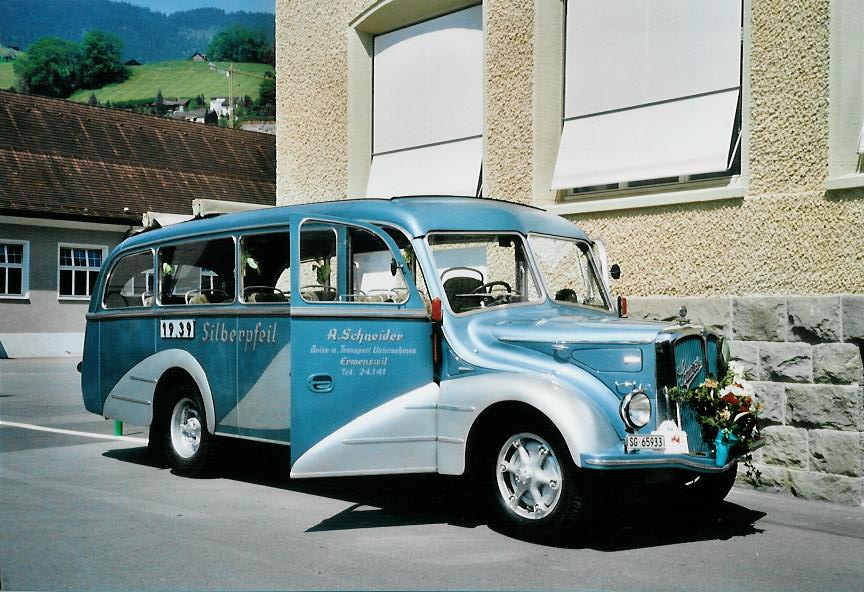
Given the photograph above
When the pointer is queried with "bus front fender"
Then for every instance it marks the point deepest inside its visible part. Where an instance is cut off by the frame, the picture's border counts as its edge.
(581, 422)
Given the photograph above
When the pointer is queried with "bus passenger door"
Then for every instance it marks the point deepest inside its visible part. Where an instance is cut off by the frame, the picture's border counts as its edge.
(264, 337)
(363, 395)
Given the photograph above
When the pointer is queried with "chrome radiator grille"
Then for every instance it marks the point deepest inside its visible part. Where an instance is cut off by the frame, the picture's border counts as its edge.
(684, 364)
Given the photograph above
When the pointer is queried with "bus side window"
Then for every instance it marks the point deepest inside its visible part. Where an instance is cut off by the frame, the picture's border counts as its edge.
(199, 272)
(374, 276)
(319, 265)
(130, 282)
(265, 271)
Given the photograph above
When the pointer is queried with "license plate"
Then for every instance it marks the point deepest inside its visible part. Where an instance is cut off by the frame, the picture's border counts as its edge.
(177, 329)
(649, 442)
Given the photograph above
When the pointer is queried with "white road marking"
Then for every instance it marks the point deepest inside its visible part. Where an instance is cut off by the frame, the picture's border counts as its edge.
(37, 428)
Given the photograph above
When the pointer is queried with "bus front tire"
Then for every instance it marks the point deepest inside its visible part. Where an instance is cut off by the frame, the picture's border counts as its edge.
(183, 430)
(537, 491)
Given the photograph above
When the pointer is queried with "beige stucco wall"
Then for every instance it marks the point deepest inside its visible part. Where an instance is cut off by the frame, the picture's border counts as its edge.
(787, 235)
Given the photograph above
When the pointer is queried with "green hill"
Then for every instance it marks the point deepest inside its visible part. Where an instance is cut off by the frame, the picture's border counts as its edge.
(185, 80)
(7, 76)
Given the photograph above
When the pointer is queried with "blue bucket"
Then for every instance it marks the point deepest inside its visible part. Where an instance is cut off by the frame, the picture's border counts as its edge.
(723, 443)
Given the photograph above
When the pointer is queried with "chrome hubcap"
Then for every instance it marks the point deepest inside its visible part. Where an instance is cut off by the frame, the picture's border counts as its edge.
(529, 476)
(186, 428)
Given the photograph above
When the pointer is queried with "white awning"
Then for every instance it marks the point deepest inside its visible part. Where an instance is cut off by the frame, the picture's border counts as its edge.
(427, 99)
(861, 140)
(452, 168)
(683, 137)
(651, 90)
(163, 219)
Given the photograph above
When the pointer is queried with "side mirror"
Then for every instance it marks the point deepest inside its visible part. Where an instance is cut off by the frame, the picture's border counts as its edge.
(394, 267)
(615, 271)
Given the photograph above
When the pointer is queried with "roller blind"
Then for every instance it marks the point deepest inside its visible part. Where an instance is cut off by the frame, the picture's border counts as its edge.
(428, 107)
(651, 89)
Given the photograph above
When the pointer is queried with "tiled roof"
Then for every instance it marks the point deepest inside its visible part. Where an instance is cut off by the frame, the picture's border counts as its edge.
(62, 159)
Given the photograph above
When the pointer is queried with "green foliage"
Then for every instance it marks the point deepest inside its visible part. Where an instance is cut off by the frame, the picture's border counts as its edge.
(50, 68)
(93, 101)
(267, 92)
(100, 60)
(7, 75)
(239, 44)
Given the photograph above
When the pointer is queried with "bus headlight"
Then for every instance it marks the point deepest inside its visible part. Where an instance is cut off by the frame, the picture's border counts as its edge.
(636, 409)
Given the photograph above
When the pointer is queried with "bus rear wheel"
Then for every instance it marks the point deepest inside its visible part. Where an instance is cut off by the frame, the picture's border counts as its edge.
(183, 429)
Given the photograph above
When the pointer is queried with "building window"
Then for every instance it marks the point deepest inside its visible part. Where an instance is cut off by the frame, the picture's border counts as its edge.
(846, 144)
(79, 268)
(652, 95)
(427, 107)
(14, 267)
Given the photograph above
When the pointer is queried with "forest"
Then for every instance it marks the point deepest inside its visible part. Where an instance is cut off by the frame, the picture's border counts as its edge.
(147, 36)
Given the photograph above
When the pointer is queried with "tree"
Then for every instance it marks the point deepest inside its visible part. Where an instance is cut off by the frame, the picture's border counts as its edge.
(239, 44)
(267, 92)
(49, 68)
(93, 101)
(100, 60)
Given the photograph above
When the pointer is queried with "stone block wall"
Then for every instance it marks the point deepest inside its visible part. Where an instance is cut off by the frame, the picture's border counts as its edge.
(803, 355)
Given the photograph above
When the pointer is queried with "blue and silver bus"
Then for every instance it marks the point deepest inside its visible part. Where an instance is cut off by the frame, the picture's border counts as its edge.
(406, 335)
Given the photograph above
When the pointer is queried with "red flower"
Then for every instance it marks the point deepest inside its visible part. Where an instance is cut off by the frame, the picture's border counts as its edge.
(744, 409)
(730, 399)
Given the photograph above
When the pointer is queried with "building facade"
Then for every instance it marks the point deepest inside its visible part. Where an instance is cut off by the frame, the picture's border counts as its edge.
(715, 147)
(75, 180)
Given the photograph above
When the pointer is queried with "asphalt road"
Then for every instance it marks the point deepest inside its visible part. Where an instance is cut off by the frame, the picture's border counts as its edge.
(82, 512)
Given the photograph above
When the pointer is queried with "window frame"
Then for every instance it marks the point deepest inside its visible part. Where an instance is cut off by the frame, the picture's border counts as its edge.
(685, 190)
(846, 101)
(114, 264)
(539, 285)
(241, 283)
(73, 268)
(24, 266)
(157, 286)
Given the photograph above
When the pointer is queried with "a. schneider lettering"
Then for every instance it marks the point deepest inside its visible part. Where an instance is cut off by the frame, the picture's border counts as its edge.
(359, 336)
(250, 338)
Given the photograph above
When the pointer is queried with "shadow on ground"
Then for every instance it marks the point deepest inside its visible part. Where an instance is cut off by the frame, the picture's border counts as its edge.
(403, 500)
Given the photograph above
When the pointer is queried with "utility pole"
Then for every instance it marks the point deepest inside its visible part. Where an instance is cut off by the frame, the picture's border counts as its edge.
(229, 72)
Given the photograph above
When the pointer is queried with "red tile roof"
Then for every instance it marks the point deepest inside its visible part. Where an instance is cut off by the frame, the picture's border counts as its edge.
(62, 159)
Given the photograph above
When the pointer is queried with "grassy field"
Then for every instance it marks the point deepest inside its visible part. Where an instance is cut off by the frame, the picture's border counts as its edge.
(185, 79)
(7, 76)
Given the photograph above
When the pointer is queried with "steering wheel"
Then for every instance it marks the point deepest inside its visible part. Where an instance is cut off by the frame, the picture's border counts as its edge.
(485, 291)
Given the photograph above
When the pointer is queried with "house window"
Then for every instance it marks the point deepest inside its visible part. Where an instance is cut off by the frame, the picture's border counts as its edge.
(846, 135)
(14, 267)
(427, 107)
(79, 268)
(652, 95)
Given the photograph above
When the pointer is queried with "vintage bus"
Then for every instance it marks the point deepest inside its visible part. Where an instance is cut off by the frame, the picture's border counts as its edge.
(406, 335)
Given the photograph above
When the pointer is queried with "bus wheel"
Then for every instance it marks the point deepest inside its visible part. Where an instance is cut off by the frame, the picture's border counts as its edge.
(536, 487)
(185, 438)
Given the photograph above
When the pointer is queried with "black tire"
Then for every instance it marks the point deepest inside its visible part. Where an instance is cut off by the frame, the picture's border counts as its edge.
(514, 479)
(183, 431)
(708, 490)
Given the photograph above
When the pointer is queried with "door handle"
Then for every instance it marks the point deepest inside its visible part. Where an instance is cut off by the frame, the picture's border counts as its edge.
(320, 383)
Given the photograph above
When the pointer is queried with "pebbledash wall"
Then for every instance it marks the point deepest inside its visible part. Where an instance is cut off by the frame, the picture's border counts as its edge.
(774, 259)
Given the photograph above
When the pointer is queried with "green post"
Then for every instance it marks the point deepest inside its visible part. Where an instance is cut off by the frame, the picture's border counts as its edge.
(118, 428)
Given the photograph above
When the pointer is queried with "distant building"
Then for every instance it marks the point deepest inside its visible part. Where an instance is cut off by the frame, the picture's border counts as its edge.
(193, 115)
(173, 104)
(77, 179)
(198, 57)
(262, 127)
(132, 62)
(220, 105)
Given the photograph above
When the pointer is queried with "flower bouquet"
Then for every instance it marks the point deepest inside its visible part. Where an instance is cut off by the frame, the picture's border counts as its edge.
(728, 415)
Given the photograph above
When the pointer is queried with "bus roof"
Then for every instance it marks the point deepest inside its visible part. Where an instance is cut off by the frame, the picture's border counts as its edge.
(417, 215)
